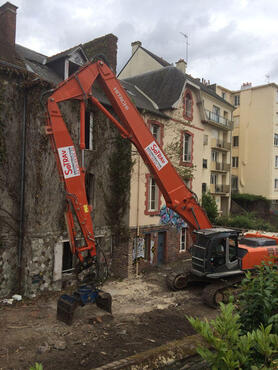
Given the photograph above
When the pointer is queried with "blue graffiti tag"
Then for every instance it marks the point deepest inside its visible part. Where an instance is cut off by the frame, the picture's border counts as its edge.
(169, 217)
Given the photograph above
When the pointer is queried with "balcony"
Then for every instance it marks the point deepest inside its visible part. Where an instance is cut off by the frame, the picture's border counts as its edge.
(220, 144)
(217, 120)
(218, 166)
(219, 189)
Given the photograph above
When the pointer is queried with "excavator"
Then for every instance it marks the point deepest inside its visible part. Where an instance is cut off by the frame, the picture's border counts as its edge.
(218, 254)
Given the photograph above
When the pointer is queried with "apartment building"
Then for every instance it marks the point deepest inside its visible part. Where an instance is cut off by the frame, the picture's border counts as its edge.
(193, 124)
(255, 139)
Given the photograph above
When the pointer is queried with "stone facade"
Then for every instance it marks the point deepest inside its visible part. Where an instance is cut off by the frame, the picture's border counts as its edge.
(32, 226)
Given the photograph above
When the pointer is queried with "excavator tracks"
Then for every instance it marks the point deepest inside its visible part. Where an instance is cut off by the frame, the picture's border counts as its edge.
(214, 293)
(177, 281)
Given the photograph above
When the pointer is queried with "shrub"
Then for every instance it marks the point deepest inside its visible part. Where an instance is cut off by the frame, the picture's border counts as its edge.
(247, 221)
(229, 348)
(258, 299)
(252, 202)
(210, 206)
(36, 367)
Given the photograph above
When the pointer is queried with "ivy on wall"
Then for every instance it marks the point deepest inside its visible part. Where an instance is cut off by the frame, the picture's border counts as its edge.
(2, 125)
(116, 196)
(174, 152)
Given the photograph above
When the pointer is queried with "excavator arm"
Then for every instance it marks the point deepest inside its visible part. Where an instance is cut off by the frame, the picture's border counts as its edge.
(131, 126)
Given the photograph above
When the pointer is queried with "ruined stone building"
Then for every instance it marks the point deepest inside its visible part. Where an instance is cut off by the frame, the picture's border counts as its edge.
(34, 248)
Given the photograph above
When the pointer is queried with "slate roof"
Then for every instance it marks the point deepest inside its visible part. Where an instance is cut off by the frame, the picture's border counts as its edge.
(139, 99)
(34, 62)
(165, 85)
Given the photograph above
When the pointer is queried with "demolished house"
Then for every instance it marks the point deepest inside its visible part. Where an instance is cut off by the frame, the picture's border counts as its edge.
(34, 245)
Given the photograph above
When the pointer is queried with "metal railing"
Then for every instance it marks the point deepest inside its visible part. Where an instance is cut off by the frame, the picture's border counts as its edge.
(215, 188)
(218, 166)
(216, 118)
(220, 144)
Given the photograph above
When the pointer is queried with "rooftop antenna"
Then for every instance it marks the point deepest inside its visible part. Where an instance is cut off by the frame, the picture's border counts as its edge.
(267, 76)
(186, 46)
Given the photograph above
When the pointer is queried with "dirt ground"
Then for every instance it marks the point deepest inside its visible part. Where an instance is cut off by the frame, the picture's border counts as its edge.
(145, 315)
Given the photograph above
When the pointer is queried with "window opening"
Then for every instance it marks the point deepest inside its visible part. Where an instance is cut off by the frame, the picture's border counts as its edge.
(187, 148)
(156, 132)
(234, 162)
(89, 131)
(183, 239)
(67, 262)
(235, 140)
(153, 195)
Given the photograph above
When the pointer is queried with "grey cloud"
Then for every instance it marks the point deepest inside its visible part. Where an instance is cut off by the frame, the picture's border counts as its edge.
(216, 52)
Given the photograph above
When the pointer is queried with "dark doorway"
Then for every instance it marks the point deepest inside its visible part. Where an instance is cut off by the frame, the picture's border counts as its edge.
(161, 247)
(67, 258)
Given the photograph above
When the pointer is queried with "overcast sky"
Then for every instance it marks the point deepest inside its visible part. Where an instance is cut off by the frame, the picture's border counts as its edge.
(230, 41)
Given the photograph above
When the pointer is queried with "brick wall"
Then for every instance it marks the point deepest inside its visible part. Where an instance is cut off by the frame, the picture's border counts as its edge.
(171, 249)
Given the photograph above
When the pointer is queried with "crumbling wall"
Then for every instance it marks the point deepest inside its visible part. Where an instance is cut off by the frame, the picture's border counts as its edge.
(44, 226)
(10, 119)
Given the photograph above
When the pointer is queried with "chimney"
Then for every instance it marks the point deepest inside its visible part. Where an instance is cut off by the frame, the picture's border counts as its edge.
(7, 33)
(8, 24)
(135, 45)
(246, 85)
(181, 65)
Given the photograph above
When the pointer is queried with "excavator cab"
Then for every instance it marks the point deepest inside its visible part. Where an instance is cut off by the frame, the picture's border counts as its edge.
(215, 253)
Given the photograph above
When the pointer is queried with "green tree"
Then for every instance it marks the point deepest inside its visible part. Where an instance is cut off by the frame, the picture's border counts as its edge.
(210, 206)
(258, 298)
(228, 348)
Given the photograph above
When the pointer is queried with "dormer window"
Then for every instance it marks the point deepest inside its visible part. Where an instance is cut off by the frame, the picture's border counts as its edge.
(68, 62)
(188, 105)
(77, 59)
(73, 63)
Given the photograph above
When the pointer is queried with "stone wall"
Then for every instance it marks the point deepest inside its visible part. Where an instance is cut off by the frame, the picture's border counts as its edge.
(44, 225)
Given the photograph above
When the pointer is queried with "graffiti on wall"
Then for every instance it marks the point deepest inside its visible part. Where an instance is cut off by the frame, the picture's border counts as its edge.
(169, 217)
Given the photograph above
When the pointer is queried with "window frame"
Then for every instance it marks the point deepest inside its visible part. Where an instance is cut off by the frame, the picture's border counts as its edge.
(150, 182)
(235, 162)
(188, 105)
(235, 141)
(276, 161)
(188, 162)
(183, 240)
(237, 100)
(214, 176)
(234, 181)
(154, 123)
(214, 155)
